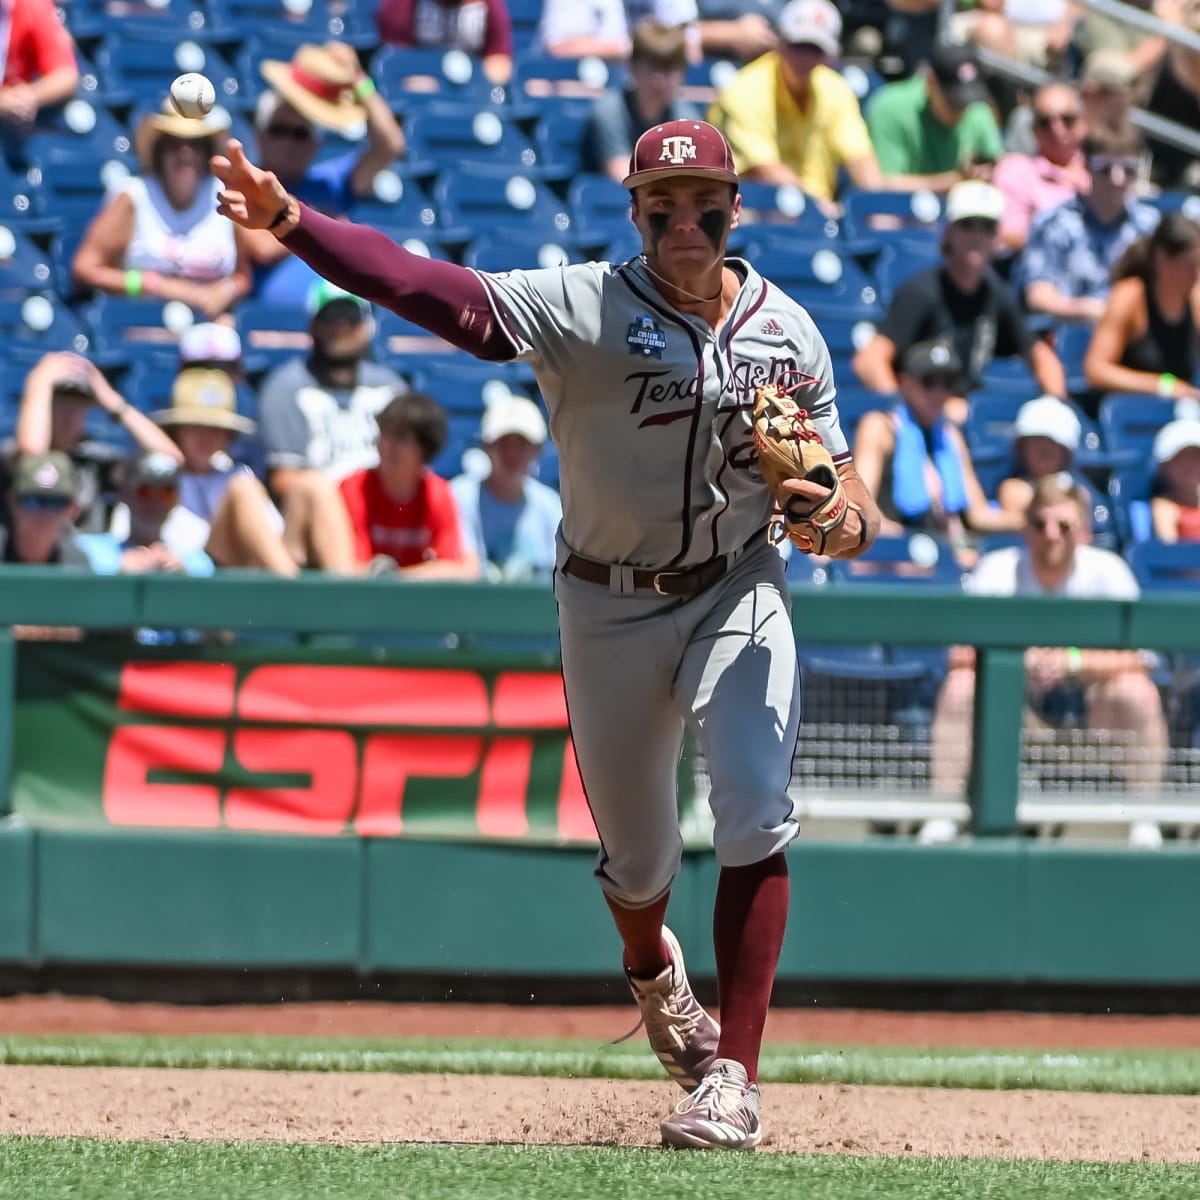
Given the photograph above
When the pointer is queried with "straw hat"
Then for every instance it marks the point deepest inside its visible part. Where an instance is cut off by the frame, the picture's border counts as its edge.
(154, 125)
(201, 396)
(318, 86)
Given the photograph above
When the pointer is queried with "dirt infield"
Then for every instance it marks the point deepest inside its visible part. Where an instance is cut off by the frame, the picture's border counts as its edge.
(369, 1108)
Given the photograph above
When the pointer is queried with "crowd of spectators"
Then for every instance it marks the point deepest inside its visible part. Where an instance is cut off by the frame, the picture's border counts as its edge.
(1049, 231)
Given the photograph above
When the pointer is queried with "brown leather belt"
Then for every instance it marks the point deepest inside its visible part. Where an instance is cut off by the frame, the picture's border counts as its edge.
(687, 581)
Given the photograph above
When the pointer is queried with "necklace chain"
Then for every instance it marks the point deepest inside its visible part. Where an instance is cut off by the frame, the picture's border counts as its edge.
(682, 290)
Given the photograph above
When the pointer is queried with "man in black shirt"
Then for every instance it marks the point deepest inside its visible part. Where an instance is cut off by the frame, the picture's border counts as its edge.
(962, 298)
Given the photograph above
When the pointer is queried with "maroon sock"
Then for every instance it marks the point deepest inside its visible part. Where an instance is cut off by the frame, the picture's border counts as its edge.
(748, 923)
(641, 933)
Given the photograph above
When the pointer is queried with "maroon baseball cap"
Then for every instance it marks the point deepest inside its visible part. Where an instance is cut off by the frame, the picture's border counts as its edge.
(680, 148)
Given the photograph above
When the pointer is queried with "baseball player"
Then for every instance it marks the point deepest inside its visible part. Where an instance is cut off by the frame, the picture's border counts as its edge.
(673, 607)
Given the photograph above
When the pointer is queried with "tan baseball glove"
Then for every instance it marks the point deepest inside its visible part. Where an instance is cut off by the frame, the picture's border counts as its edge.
(789, 447)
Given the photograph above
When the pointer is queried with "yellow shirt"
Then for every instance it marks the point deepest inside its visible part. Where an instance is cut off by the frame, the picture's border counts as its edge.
(764, 124)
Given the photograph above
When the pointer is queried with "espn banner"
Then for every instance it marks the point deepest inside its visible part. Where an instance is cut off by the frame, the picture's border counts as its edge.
(337, 743)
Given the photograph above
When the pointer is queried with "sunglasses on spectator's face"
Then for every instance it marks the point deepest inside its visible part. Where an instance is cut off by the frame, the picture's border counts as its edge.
(157, 491)
(1103, 164)
(937, 381)
(291, 133)
(38, 503)
(1045, 120)
(1041, 525)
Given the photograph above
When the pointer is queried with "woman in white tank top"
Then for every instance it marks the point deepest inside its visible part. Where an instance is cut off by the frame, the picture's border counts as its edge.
(159, 233)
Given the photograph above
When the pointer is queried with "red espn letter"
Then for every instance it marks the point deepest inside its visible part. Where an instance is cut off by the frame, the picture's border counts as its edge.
(178, 689)
(390, 759)
(136, 750)
(329, 757)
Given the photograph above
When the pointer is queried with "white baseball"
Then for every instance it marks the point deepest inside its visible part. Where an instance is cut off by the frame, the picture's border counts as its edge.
(193, 95)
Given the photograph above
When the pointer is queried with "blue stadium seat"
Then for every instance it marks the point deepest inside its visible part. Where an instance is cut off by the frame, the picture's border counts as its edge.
(1166, 567)
(81, 126)
(911, 220)
(69, 183)
(525, 15)
(35, 324)
(143, 66)
(1129, 491)
(915, 559)
(559, 141)
(898, 262)
(23, 267)
(989, 425)
(465, 385)
(406, 345)
(784, 209)
(1010, 376)
(127, 330)
(453, 134)
(537, 76)
(1129, 422)
(813, 273)
(271, 333)
(284, 23)
(408, 77)
(600, 210)
(398, 203)
(513, 251)
(490, 199)
(853, 401)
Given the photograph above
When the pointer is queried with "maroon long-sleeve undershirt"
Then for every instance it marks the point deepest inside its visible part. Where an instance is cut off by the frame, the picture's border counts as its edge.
(444, 298)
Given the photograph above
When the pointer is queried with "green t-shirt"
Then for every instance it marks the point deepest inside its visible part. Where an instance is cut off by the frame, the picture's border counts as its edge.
(910, 140)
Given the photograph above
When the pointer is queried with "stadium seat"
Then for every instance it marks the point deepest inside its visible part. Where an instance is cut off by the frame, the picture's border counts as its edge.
(398, 203)
(1010, 376)
(813, 273)
(559, 141)
(142, 67)
(1129, 491)
(785, 209)
(127, 330)
(988, 428)
(525, 15)
(271, 333)
(69, 183)
(35, 324)
(899, 262)
(81, 126)
(908, 220)
(453, 134)
(915, 559)
(23, 267)
(514, 251)
(409, 76)
(1129, 422)
(405, 345)
(1166, 567)
(286, 23)
(853, 401)
(495, 199)
(465, 386)
(599, 210)
(537, 76)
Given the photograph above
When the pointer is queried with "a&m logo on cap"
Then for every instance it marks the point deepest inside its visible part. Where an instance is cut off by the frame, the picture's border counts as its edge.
(677, 150)
(645, 338)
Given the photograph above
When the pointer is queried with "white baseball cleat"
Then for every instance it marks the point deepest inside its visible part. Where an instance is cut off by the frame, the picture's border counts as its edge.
(680, 1031)
(721, 1114)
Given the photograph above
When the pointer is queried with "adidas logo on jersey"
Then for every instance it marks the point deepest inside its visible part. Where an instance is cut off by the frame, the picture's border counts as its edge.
(771, 328)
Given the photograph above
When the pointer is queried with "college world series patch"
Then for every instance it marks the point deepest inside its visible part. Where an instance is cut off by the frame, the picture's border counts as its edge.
(645, 338)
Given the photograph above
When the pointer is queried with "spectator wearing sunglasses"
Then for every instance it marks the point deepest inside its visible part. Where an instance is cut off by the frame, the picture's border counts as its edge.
(915, 462)
(1054, 174)
(322, 90)
(149, 495)
(1066, 271)
(41, 502)
(964, 298)
(1105, 689)
(1149, 335)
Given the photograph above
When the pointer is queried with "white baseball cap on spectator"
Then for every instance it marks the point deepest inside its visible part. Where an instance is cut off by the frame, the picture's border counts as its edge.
(1174, 437)
(974, 198)
(512, 414)
(207, 342)
(811, 22)
(1049, 417)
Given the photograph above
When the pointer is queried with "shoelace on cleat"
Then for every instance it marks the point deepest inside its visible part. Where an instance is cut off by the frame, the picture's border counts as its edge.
(719, 1093)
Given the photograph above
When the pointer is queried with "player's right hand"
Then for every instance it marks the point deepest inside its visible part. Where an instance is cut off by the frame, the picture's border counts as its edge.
(251, 196)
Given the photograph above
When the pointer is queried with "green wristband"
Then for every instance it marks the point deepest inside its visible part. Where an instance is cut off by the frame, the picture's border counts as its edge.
(133, 283)
(1074, 660)
(364, 87)
(1166, 385)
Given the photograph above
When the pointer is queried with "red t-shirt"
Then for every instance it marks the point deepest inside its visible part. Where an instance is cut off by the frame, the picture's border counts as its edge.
(419, 530)
(481, 27)
(37, 42)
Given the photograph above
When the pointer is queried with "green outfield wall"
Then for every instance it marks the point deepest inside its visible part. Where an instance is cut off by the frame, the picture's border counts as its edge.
(483, 866)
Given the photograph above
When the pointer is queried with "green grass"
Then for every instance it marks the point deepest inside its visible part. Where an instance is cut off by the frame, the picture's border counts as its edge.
(1141, 1071)
(47, 1169)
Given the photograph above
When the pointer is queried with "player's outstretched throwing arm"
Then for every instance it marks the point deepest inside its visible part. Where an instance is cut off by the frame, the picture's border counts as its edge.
(448, 300)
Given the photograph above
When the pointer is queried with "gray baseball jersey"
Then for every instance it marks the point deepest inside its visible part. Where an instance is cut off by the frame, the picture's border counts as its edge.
(651, 410)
